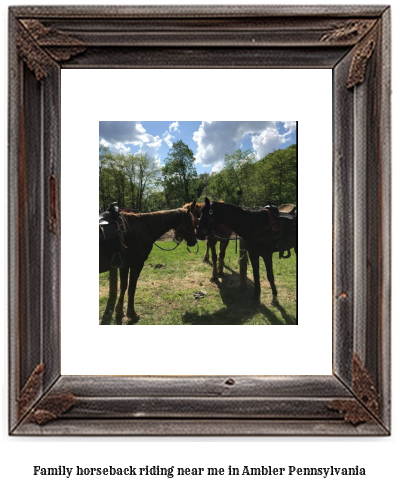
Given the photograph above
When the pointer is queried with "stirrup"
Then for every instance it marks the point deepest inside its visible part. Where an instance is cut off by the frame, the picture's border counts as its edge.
(120, 260)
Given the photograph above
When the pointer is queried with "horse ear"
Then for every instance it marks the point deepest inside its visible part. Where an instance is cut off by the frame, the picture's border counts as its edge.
(193, 206)
(207, 202)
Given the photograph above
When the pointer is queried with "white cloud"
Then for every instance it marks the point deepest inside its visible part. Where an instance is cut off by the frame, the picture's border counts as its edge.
(120, 147)
(217, 167)
(167, 137)
(120, 131)
(290, 126)
(267, 141)
(117, 134)
(154, 142)
(174, 126)
(215, 139)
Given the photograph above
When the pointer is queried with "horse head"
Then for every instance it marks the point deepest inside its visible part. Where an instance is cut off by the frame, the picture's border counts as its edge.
(195, 210)
(186, 231)
(206, 222)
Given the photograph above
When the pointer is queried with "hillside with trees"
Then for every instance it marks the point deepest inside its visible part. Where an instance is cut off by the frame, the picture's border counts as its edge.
(138, 182)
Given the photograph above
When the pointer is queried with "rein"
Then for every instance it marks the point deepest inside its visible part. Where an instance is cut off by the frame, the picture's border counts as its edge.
(178, 243)
(196, 252)
(162, 249)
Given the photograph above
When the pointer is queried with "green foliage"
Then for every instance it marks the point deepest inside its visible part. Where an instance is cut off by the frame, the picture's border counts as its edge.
(244, 182)
(200, 185)
(125, 178)
(136, 181)
(233, 183)
(277, 176)
(179, 175)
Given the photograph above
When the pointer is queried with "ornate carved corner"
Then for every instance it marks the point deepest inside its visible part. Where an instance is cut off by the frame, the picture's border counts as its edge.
(363, 387)
(363, 52)
(352, 411)
(30, 390)
(35, 58)
(51, 407)
(351, 31)
(39, 46)
(367, 406)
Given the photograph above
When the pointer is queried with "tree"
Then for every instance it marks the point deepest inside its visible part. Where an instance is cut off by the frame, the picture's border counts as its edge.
(126, 178)
(147, 171)
(200, 185)
(112, 177)
(238, 166)
(244, 182)
(179, 174)
(279, 175)
(103, 159)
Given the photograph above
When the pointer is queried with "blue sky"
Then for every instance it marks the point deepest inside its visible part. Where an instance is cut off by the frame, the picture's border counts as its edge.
(210, 141)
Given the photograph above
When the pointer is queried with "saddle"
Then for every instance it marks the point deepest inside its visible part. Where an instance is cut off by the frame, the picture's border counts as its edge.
(284, 221)
(112, 229)
(109, 216)
(287, 237)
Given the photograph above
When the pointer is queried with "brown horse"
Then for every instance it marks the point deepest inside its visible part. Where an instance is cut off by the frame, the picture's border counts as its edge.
(257, 229)
(145, 229)
(221, 235)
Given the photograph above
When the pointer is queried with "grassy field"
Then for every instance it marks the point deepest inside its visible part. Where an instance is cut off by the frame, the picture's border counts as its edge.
(164, 293)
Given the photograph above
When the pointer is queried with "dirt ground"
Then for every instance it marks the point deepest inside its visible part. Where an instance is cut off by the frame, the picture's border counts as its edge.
(166, 237)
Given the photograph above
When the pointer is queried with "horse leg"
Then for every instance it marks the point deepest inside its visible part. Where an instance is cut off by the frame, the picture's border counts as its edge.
(212, 245)
(254, 258)
(268, 259)
(222, 253)
(134, 276)
(123, 275)
(206, 257)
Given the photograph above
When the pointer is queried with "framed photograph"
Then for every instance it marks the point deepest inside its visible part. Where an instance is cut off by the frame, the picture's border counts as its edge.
(349, 43)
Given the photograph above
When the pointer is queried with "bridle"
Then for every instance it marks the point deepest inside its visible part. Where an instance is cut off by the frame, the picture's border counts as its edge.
(178, 243)
(183, 227)
(210, 222)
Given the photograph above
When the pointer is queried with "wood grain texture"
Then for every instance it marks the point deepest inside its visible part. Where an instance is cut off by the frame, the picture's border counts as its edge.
(14, 318)
(206, 12)
(385, 261)
(195, 31)
(199, 427)
(343, 185)
(44, 40)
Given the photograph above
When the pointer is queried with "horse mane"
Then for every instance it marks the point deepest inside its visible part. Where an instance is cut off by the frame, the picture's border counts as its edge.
(237, 208)
(157, 222)
(197, 210)
(198, 206)
(152, 213)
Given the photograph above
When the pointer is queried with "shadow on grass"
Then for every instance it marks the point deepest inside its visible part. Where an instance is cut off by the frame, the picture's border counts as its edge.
(240, 307)
(106, 319)
(288, 318)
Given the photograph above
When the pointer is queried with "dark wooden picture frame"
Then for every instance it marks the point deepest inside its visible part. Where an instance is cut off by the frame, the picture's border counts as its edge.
(353, 42)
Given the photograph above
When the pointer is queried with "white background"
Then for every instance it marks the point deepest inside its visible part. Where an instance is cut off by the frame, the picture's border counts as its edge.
(88, 96)
(378, 455)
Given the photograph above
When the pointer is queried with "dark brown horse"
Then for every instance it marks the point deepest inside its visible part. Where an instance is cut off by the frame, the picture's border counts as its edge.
(145, 229)
(222, 235)
(256, 227)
